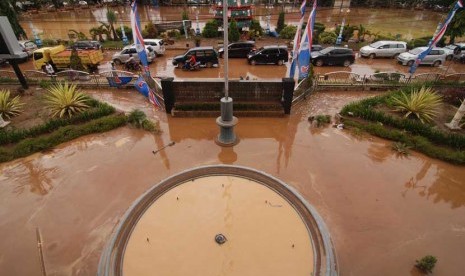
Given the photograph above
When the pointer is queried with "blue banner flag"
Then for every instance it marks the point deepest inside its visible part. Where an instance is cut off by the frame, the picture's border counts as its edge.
(297, 38)
(117, 81)
(303, 59)
(436, 37)
(138, 39)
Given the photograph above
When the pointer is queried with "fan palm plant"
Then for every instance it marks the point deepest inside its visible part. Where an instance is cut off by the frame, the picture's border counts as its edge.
(63, 99)
(422, 103)
(9, 107)
(111, 17)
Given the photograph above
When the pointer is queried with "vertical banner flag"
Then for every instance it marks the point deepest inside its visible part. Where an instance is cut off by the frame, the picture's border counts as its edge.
(436, 37)
(138, 39)
(297, 38)
(303, 58)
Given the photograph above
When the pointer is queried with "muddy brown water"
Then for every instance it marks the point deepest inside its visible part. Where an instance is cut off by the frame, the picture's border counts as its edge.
(383, 211)
(264, 233)
(408, 23)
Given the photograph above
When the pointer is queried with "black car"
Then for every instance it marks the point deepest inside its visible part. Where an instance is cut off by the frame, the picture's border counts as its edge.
(269, 54)
(238, 49)
(87, 45)
(316, 48)
(205, 55)
(333, 56)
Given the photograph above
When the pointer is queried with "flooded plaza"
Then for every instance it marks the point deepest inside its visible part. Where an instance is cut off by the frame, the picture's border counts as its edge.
(383, 211)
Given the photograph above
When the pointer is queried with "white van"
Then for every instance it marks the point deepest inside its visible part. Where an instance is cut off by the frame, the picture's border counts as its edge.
(157, 45)
(390, 49)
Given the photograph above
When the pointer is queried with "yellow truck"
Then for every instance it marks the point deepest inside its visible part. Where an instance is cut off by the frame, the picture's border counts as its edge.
(60, 57)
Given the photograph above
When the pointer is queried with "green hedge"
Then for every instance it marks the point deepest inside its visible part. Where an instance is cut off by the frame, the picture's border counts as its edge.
(63, 134)
(418, 143)
(98, 110)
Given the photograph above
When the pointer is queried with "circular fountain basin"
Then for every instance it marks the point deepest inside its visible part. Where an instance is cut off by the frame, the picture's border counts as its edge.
(220, 220)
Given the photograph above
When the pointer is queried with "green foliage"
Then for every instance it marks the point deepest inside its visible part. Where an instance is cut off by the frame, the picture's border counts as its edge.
(347, 32)
(150, 31)
(111, 18)
(327, 38)
(288, 32)
(318, 29)
(173, 33)
(456, 27)
(138, 119)
(255, 28)
(280, 24)
(322, 120)
(233, 32)
(7, 9)
(426, 264)
(9, 107)
(423, 41)
(409, 128)
(401, 148)
(63, 134)
(422, 103)
(127, 32)
(78, 35)
(96, 111)
(63, 99)
(75, 61)
(211, 29)
(185, 15)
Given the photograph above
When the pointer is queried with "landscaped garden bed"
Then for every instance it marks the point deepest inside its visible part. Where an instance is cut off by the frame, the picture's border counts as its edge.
(413, 118)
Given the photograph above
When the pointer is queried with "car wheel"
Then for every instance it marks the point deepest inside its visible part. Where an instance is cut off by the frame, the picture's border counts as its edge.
(372, 56)
(180, 65)
(209, 64)
(449, 57)
(346, 63)
(253, 62)
(117, 61)
(436, 63)
(319, 63)
(410, 63)
(280, 62)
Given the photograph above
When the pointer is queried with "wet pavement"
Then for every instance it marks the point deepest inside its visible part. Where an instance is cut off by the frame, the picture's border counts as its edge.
(382, 210)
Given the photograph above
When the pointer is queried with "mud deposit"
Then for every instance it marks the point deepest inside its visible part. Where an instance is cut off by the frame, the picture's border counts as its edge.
(382, 211)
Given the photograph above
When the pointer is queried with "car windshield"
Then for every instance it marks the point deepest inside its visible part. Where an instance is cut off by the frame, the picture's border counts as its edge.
(376, 44)
(416, 51)
(452, 47)
(327, 50)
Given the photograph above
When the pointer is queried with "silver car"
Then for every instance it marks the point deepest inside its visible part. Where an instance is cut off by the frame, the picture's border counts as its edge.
(384, 49)
(129, 51)
(436, 57)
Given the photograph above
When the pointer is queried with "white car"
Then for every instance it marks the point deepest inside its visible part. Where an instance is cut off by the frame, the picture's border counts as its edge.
(28, 46)
(157, 45)
(436, 57)
(384, 49)
(128, 51)
(82, 3)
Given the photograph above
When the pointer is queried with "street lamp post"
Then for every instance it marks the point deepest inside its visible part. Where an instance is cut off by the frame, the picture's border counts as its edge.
(226, 121)
(339, 38)
(197, 29)
(123, 33)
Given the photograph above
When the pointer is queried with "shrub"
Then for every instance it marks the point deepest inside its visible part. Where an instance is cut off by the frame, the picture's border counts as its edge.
(75, 61)
(347, 32)
(136, 117)
(9, 107)
(233, 32)
(150, 31)
(127, 32)
(327, 38)
(422, 103)
(401, 148)
(322, 120)
(255, 28)
(426, 264)
(280, 24)
(185, 15)
(65, 100)
(211, 29)
(173, 33)
(288, 32)
(453, 96)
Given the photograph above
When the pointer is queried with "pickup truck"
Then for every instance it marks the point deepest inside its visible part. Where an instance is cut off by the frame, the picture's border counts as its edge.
(59, 56)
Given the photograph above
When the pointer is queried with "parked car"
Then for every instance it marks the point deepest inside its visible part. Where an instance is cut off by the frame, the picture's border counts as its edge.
(384, 49)
(28, 47)
(238, 49)
(436, 57)
(333, 56)
(82, 3)
(454, 51)
(273, 54)
(87, 45)
(128, 51)
(316, 48)
(459, 52)
(158, 45)
(207, 56)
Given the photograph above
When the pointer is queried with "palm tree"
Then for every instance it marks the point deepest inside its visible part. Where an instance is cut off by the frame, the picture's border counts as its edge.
(105, 29)
(111, 17)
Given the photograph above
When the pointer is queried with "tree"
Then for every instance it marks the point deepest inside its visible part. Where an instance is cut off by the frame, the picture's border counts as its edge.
(6, 9)
(457, 26)
(211, 29)
(288, 32)
(233, 32)
(75, 61)
(256, 28)
(280, 24)
(150, 31)
(111, 17)
(185, 15)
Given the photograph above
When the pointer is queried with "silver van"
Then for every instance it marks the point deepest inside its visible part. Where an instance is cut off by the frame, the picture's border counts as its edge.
(436, 56)
(384, 49)
(123, 56)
